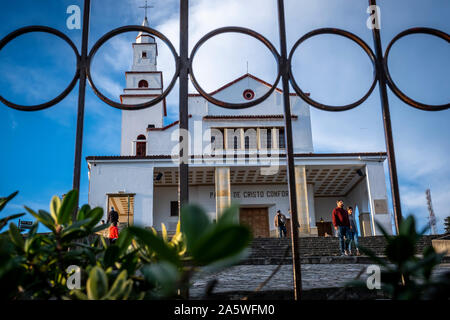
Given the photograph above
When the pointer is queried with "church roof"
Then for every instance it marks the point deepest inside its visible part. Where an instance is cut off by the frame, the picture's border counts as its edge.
(249, 75)
(296, 155)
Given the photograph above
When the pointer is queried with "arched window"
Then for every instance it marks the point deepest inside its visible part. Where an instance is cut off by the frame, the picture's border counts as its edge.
(143, 84)
(141, 145)
(247, 142)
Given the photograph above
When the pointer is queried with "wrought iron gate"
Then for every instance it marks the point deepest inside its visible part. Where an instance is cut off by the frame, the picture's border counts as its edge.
(183, 63)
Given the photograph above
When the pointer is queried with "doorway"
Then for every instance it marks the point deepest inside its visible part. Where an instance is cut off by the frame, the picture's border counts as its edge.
(123, 203)
(257, 219)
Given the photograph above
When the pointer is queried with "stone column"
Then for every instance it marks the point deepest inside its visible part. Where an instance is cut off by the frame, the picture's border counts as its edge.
(275, 134)
(223, 189)
(302, 200)
(312, 211)
(378, 200)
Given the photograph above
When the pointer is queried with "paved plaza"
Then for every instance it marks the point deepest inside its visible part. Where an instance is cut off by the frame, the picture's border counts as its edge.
(249, 277)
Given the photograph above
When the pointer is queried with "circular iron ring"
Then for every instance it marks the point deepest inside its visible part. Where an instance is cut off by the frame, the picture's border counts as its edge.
(121, 30)
(66, 91)
(347, 35)
(250, 33)
(391, 82)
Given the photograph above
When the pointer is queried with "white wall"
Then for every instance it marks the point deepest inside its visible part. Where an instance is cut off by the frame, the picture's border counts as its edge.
(274, 197)
(324, 207)
(135, 123)
(129, 177)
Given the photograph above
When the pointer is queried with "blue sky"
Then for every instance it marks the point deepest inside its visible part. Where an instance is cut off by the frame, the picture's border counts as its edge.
(37, 148)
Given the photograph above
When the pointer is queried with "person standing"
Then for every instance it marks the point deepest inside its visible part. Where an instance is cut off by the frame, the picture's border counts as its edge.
(113, 216)
(341, 225)
(280, 223)
(113, 233)
(353, 232)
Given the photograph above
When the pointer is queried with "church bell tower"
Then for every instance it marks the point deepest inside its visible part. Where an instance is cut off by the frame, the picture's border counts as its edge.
(143, 83)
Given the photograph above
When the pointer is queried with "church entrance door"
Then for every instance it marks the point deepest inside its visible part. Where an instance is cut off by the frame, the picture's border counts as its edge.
(124, 205)
(257, 219)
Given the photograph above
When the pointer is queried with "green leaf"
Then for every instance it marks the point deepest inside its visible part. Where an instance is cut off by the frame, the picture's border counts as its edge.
(44, 218)
(95, 215)
(221, 243)
(73, 233)
(55, 204)
(4, 201)
(100, 227)
(97, 284)
(163, 275)
(407, 226)
(15, 236)
(79, 295)
(119, 286)
(164, 231)
(79, 224)
(4, 221)
(67, 207)
(194, 222)
(111, 256)
(82, 213)
(156, 244)
(124, 240)
(400, 249)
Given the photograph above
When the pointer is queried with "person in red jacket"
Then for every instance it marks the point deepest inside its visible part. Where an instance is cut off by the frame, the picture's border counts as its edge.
(342, 226)
(113, 233)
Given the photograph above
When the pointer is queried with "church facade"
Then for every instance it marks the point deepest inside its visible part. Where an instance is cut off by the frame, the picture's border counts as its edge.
(235, 156)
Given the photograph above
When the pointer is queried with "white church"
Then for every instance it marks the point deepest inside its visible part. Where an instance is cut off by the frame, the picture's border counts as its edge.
(238, 156)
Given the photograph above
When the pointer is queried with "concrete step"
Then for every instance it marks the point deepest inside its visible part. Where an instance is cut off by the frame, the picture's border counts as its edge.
(272, 250)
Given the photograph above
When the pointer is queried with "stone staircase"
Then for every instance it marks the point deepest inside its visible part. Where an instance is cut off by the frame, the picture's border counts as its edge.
(317, 250)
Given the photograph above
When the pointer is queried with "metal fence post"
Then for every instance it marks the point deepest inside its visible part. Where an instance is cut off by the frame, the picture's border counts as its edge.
(289, 154)
(81, 99)
(387, 123)
(183, 174)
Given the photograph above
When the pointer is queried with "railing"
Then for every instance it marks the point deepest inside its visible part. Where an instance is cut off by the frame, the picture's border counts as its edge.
(183, 69)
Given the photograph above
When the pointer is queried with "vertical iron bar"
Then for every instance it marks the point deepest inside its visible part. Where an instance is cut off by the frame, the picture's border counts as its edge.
(183, 174)
(289, 153)
(81, 98)
(387, 122)
(183, 183)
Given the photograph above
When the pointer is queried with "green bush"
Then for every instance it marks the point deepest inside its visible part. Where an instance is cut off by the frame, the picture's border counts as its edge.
(405, 275)
(139, 265)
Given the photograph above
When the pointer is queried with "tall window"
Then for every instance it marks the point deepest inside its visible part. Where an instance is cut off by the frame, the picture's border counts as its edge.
(144, 54)
(143, 84)
(235, 143)
(247, 142)
(281, 141)
(269, 138)
(141, 145)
